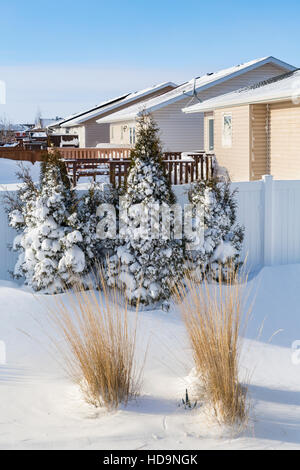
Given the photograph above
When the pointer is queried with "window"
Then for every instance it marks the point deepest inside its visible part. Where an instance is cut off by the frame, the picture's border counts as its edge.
(211, 125)
(132, 135)
(227, 130)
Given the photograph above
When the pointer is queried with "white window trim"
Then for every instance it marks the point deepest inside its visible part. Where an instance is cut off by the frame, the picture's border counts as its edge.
(208, 134)
(226, 144)
(132, 135)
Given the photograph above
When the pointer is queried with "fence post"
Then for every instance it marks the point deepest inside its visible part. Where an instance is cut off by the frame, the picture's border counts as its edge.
(268, 219)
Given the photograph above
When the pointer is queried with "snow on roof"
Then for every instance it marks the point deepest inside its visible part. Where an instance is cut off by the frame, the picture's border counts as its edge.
(110, 105)
(283, 87)
(187, 89)
(39, 134)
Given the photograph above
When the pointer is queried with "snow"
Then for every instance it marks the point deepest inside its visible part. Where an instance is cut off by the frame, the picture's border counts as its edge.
(110, 105)
(8, 179)
(41, 409)
(223, 252)
(186, 90)
(39, 134)
(73, 258)
(13, 144)
(66, 143)
(287, 87)
(8, 169)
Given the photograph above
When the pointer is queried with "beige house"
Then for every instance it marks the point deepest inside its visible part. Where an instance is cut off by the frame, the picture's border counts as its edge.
(256, 130)
(84, 125)
(181, 131)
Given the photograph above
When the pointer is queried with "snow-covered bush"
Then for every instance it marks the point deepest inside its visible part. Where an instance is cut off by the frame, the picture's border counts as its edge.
(90, 212)
(145, 262)
(57, 232)
(223, 237)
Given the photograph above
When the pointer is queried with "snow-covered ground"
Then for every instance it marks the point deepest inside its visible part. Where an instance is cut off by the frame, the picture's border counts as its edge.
(8, 169)
(40, 408)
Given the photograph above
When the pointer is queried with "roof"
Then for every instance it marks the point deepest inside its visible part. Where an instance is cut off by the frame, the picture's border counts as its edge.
(283, 87)
(187, 89)
(110, 105)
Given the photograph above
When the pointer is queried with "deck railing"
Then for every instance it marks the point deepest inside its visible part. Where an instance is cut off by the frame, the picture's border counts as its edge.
(180, 171)
(85, 153)
(181, 168)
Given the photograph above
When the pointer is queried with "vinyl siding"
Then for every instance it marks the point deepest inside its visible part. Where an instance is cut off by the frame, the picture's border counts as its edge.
(117, 138)
(284, 140)
(235, 158)
(81, 135)
(95, 133)
(258, 141)
(179, 132)
(185, 132)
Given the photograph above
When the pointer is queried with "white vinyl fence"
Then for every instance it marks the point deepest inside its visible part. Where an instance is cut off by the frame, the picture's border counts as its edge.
(269, 210)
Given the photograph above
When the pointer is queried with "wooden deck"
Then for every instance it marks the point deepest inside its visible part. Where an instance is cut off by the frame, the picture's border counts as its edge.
(178, 171)
(180, 168)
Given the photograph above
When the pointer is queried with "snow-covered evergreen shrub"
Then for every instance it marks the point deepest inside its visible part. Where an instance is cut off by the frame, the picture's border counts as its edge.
(223, 237)
(144, 263)
(91, 210)
(57, 232)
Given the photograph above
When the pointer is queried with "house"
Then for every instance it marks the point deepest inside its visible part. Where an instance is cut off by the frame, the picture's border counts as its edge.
(37, 135)
(181, 131)
(84, 124)
(14, 134)
(256, 129)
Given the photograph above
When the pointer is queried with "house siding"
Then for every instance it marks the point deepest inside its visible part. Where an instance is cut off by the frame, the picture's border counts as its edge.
(188, 132)
(259, 164)
(80, 131)
(96, 133)
(121, 137)
(284, 140)
(179, 132)
(91, 133)
(236, 157)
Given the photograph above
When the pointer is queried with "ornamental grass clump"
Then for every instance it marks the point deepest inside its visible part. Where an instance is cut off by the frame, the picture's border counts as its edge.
(97, 340)
(215, 318)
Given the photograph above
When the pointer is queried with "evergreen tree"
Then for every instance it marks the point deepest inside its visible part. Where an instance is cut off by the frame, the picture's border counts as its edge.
(50, 255)
(146, 263)
(223, 237)
(86, 219)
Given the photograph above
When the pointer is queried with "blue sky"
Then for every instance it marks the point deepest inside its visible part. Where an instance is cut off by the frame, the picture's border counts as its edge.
(62, 56)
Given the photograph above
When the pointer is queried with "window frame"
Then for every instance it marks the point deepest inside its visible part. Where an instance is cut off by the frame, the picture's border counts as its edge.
(227, 140)
(211, 147)
(132, 135)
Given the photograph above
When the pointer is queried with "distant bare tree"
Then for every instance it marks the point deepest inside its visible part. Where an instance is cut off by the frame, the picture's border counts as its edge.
(6, 131)
(38, 117)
